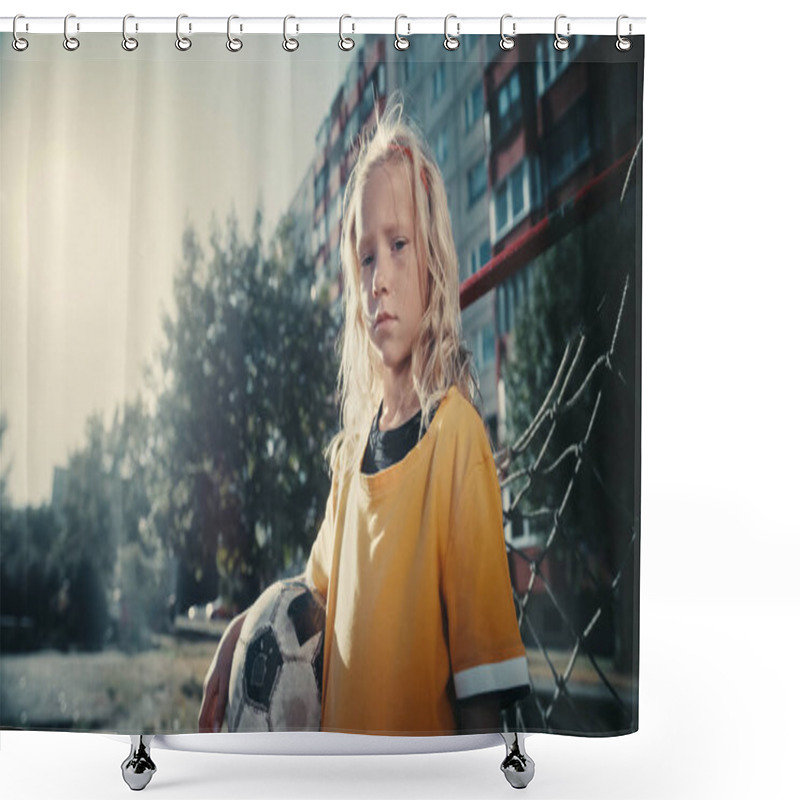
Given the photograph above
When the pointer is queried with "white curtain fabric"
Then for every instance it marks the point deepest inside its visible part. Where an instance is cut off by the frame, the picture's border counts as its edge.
(106, 157)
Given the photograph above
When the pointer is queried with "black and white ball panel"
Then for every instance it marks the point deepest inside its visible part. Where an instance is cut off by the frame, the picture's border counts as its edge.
(276, 677)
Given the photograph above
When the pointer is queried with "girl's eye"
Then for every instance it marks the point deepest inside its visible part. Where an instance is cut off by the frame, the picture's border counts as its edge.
(400, 244)
(366, 261)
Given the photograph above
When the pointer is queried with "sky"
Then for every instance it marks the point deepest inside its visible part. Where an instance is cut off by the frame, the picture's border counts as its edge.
(105, 157)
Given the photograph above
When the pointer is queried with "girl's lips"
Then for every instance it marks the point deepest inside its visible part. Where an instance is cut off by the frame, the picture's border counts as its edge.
(381, 318)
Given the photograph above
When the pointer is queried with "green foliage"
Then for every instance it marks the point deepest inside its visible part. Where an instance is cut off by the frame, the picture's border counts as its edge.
(228, 475)
(245, 410)
(28, 582)
(89, 568)
(84, 550)
(142, 577)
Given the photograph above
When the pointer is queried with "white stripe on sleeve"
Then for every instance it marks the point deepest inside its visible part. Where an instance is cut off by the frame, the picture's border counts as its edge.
(491, 677)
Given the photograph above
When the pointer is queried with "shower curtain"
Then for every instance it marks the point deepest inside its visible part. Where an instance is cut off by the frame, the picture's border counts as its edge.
(172, 301)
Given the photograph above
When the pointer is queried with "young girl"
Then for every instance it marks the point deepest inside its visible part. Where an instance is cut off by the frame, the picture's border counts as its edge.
(421, 635)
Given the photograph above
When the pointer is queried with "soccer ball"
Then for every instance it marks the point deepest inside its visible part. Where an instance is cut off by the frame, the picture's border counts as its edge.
(276, 674)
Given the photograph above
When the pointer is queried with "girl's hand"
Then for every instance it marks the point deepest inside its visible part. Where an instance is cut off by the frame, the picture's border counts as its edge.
(215, 685)
(480, 714)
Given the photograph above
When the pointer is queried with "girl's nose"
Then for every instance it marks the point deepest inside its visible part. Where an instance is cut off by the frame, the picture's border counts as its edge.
(379, 274)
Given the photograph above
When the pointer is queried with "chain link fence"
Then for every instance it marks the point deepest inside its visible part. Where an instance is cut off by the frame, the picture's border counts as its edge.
(574, 689)
(569, 469)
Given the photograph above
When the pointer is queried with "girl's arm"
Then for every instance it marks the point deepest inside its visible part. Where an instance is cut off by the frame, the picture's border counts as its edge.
(215, 685)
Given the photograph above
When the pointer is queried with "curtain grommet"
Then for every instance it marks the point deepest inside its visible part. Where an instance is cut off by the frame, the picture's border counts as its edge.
(129, 43)
(507, 42)
(623, 44)
(233, 44)
(560, 43)
(345, 42)
(451, 42)
(71, 43)
(290, 44)
(18, 42)
(183, 43)
(401, 43)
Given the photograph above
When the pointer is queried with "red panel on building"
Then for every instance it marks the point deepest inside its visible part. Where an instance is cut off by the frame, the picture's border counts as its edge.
(506, 159)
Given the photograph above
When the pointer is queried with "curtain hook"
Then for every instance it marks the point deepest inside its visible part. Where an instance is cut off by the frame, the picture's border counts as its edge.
(18, 43)
(71, 43)
(560, 42)
(507, 42)
(182, 42)
(290, 44)
(401, 42)
(129, 43)
(233, 44)
(345, 42)
(451, 42)
(623, 44)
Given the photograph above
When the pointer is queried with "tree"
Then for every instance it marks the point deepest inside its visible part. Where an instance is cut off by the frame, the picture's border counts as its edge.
(245, 409)
(142, 580)
(56, 562)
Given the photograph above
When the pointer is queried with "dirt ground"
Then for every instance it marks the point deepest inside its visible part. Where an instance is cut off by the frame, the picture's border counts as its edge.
(159, 689)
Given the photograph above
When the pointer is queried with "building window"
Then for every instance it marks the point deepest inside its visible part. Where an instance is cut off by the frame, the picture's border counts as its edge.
(550, 63)
(350, 80)
(476, 182)
(473, 105)
(500, 212)
(351, 130)
(374, 87)
(381, 79)
(488, 345)
(367, 101)
(330, 222)
(440, 148)
(409, 68)
(438, 82)
(536, 193)
(517, 190)
(483, 347)
(320, 185)
(512, 200)
(480, 256)
(323, 134)
(568, 145)
(509, 104)
(486, 252)
(463, 270)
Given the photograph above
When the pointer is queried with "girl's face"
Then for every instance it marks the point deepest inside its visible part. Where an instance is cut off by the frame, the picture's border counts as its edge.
(391, 291)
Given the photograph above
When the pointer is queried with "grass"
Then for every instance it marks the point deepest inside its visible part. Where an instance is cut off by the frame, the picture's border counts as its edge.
(157, 690)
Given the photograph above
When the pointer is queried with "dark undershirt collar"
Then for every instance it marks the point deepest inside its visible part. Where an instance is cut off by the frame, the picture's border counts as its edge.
(385, 448)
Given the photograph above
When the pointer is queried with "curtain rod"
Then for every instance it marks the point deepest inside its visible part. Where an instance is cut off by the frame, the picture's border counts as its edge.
(406, 25)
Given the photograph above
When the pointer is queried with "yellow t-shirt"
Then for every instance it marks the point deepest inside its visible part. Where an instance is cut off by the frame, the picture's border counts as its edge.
(412, 562)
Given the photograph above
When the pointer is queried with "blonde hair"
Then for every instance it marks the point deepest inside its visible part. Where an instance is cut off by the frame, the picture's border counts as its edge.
(439, 358)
